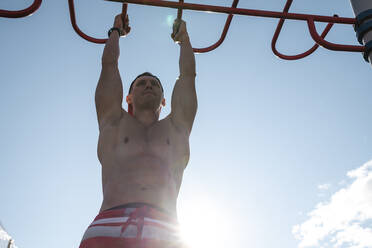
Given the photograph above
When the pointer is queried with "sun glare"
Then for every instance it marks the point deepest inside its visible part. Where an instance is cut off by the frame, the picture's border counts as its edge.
(205, 225)
(170, 19)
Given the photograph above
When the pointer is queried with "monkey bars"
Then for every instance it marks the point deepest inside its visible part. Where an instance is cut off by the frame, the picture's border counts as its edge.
(310, 19)
(21, 13)
(362, 24)
(233, 10)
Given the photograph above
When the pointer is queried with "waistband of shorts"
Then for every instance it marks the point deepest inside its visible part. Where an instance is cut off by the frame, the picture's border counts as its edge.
(138, 205)
(140, 210)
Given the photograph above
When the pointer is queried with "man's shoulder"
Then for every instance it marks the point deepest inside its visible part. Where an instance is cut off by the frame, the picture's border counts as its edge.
(114, 123)
(179, 129)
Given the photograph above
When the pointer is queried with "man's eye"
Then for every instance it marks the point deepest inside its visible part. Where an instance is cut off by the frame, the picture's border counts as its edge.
(153, 83)
(142, 82)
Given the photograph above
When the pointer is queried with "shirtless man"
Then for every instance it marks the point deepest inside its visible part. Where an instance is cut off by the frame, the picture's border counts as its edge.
(142, 157)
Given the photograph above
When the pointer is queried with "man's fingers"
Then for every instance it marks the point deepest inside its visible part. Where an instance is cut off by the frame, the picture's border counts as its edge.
(179, 30)
(127, 30)
(125, 19)
(124, 25)
(176, 26)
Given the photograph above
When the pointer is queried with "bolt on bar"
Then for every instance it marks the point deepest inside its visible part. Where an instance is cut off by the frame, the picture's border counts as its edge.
(21, 13)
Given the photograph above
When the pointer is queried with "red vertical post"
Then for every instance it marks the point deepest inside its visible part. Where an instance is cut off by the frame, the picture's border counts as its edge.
(124, 9)
(179, 12)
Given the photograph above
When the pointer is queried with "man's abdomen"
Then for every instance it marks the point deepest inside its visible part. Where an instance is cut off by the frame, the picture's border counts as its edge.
(147, 180)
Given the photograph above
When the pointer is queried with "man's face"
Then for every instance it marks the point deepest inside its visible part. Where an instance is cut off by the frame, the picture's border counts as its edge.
(146, 92)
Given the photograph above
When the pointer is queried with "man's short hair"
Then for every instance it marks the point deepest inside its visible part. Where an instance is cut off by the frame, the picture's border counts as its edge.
(145, 74)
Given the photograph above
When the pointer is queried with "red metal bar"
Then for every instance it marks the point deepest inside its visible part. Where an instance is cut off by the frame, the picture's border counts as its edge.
(279, 29)
(179, 13)
(77, 29)
(21, 13)
(319, 39)
(331, 46)
(124, 10)
(263, 13)
(223, 35)
(239, 11)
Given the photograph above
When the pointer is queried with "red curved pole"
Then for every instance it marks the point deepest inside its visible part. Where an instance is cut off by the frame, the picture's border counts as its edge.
(21, 13)
(77, 29)
(279, 29)
(223, 35)
(331, 46)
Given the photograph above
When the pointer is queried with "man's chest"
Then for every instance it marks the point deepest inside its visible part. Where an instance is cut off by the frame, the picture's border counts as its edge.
(130, 139)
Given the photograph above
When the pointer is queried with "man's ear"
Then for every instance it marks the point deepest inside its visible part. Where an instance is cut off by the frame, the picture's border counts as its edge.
(163, 102)
(129, 99)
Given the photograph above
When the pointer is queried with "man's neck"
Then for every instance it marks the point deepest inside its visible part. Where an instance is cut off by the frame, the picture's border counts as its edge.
(147, 117)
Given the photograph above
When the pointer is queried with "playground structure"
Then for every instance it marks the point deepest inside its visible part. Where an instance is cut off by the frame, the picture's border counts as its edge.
(21, 13)
(362, 23)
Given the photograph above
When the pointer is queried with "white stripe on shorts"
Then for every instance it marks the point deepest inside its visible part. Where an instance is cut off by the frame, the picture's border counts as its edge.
(148, 231)
(124, 219)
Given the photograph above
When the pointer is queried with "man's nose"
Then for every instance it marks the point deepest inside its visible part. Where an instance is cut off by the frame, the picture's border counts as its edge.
(148, 85)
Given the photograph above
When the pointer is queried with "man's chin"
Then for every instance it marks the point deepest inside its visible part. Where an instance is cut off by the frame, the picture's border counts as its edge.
(150, 105)
(148, 94)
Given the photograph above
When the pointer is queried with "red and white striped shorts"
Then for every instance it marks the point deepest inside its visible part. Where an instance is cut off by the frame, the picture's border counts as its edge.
(133, 227)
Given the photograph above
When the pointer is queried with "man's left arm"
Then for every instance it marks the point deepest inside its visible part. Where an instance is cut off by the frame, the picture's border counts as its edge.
(184, 100)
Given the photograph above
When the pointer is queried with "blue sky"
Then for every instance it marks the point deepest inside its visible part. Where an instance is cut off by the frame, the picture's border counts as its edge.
(278, 147)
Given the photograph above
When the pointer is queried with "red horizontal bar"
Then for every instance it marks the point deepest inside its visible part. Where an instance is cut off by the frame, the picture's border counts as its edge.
(21, 13)
(239, 11)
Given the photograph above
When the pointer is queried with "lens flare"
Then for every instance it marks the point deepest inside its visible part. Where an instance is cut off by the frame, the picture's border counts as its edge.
(170, 19)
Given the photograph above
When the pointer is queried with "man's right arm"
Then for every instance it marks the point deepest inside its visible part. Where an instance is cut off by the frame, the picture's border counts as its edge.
(109, 91)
